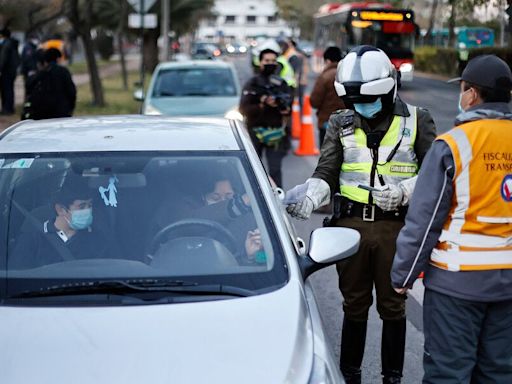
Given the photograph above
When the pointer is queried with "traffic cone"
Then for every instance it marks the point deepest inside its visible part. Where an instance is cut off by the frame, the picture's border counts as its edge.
(307, 145)
(296, 119)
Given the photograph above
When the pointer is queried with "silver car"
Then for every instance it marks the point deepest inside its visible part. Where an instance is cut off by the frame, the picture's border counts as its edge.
(192, 88)
(139, 249)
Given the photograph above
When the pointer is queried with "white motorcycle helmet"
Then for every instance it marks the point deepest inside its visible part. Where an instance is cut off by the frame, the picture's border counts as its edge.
(364, 75)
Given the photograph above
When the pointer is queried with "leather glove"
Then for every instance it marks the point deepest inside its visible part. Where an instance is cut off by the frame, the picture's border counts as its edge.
(393, 196)
(317, 194)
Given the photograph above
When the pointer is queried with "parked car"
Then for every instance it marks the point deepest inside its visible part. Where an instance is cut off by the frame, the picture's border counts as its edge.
(153, 296)
(192, 88)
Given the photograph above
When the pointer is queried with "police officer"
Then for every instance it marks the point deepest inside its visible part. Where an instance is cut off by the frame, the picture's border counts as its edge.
(266, 104)
(379, 144)
(460, 234)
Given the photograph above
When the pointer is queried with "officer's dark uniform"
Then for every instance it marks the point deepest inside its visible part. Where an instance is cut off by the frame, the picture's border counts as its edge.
(259, 115)
(379, 230)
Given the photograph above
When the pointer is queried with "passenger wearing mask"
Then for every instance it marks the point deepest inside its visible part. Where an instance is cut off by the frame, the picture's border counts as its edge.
(67, 233)
(266, 104)
(369, 159)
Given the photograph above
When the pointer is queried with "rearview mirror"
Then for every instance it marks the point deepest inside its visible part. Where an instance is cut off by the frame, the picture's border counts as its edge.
(328, 246)
(138, 94)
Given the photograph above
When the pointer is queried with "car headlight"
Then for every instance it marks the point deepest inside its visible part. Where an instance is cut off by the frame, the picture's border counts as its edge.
(406, 67)
(150, 110)
(234, 114)
(320, 374)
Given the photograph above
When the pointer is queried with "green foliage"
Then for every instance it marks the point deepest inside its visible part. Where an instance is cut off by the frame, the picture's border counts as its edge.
(443, 61)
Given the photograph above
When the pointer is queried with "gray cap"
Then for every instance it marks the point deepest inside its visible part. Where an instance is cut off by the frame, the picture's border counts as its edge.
(487, 71)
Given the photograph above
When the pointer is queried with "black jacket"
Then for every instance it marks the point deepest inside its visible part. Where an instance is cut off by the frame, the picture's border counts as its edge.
(51, 93)
(9, 57)
(257, 115)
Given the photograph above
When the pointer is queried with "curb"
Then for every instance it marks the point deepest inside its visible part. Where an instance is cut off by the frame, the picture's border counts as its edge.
(433, 76)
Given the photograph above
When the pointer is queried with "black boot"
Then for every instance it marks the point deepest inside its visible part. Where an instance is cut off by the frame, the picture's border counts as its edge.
(392, 350)
(353, 338)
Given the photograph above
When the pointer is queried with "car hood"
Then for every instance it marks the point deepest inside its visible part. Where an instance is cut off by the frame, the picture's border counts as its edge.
(261, 339)
(196, 105)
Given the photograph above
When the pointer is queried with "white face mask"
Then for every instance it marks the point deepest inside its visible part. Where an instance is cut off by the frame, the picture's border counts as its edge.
(460, 100)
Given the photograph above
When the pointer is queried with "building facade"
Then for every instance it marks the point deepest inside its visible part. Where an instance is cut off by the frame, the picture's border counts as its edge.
(242, 20)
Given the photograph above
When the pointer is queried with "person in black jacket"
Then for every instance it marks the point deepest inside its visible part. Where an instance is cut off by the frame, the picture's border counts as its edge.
(9, 62)
(51, 92)
(266, 104)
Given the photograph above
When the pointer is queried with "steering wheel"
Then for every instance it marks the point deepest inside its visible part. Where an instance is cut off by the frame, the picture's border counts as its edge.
(194, 227)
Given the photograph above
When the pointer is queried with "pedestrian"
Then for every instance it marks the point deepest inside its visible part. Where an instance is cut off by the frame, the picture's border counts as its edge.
(9, 62)
(323, 96)
(378, 144)
(266, 104)
(302, 72)
(460, 234)
(51, 91)
(28, 57)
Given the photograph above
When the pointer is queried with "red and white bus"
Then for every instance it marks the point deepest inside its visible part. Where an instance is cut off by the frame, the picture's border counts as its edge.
(378, 24)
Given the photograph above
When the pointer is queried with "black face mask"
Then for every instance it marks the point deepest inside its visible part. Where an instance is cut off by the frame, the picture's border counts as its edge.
(269, 69)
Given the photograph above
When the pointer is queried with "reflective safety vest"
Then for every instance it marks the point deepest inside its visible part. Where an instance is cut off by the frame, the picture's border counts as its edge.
(477, 234)
(357, 157)
(287, 73)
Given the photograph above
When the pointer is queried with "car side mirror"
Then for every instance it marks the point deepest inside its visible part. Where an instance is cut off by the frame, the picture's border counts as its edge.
(328, 246)
(138, 94)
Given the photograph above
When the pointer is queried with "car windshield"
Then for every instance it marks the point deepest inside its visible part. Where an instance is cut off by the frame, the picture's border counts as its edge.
(197, 217)
(194, 82)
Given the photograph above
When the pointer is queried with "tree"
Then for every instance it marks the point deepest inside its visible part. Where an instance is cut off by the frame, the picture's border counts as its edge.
(80, 14)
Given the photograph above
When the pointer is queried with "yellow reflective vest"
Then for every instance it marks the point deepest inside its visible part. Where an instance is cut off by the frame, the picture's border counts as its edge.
(287, 73)
(477, 234)
(357, 158)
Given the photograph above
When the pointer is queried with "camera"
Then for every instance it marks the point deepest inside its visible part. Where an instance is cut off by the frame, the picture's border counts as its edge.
(283, 100)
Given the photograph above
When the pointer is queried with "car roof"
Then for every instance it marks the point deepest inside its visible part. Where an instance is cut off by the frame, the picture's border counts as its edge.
(120, 133)
(194, 63)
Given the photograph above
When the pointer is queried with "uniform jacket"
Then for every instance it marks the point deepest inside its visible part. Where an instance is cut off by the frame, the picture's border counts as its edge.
(324, 97)
(425, 220)
(331, 158)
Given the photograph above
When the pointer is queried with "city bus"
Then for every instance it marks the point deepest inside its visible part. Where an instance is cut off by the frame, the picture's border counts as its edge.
(467, 37)
(378, 24)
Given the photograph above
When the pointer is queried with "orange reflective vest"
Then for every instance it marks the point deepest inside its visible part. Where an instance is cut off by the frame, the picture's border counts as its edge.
(477, 234)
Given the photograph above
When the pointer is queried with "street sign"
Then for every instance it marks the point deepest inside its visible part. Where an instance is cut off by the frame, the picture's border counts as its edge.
(150, 20)
(139, 4)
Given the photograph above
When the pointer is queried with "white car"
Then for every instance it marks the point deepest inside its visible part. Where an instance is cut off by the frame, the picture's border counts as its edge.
(192, 88)
(123, 262)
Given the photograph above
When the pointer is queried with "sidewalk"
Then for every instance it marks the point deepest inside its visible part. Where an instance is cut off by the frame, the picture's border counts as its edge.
(79, 79)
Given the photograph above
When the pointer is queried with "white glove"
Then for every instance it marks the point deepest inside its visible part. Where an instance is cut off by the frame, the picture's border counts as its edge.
(395, 195)
(318, 194)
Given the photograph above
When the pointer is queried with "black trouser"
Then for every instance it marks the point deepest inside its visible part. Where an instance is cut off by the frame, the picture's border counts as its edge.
(7, 93)
(466, 341)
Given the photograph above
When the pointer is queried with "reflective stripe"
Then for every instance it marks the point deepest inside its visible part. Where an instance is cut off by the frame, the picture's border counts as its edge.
(472, 260)
(462, 180)
(357, 158)
(307, 119)
(473, 240)
(494, 220)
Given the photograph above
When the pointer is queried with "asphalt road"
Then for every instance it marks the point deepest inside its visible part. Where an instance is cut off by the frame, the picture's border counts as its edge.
(441, 100)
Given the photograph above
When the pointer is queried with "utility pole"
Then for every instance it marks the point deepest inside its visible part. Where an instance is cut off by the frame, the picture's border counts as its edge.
(164, 30)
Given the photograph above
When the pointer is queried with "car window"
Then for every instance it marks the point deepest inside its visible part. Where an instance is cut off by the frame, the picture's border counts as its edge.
(89, 216)
(194, 82)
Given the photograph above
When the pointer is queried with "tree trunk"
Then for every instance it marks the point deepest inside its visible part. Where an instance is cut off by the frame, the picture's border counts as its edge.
(150, 50)
(94, 75)
(433, 10)
(120, 39)
(451, 24)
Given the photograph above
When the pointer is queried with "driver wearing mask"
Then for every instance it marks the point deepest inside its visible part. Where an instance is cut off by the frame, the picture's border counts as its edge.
(66, 234)
(222, 204)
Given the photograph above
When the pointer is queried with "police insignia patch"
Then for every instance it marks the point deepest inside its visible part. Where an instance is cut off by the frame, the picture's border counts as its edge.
(347, 131)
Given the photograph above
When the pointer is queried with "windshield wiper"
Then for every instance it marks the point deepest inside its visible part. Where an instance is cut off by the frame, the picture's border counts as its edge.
(139, 285)
(165, 93)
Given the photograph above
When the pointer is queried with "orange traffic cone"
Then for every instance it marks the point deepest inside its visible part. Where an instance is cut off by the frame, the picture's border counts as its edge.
(307, 145)
(296, 119)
